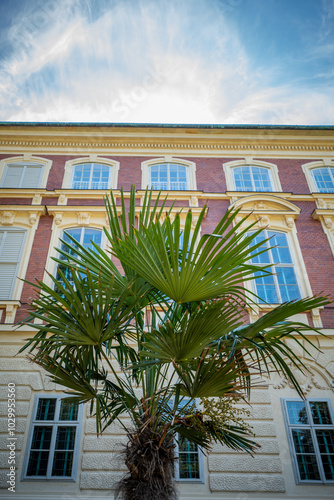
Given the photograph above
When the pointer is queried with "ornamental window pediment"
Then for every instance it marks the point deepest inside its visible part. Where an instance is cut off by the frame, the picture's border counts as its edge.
(267, 209)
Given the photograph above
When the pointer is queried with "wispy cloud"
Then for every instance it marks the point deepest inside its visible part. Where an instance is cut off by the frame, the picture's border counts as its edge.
(144, 61)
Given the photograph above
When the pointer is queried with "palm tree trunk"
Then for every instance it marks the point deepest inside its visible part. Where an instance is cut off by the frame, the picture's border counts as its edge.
(150, 465)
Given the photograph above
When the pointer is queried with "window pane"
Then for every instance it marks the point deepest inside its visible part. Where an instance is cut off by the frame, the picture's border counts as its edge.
(320, 413)
(264, 258)
(297, 412)
(308, 467)
(287, 283)
(62, 463)
(68, 411)
(65, 438)
(261, 179)
(41, 438)
(302, 440)
(326, 446)
(265, 288)
(38, 463)
(46, 409)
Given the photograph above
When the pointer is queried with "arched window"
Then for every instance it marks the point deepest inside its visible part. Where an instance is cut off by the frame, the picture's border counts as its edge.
(252, 178)
(11, 248)
(169, 176)
(249, 174)
(84, 236)
(282, 286)
(324, 179)
(91, 176)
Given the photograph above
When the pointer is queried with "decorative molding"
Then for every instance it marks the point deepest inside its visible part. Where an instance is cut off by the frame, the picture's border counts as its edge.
(33, 218)
(62, 200)
(263, 221)
(58, 218)
(83, 218)
(289, 222)
(217, 145)
(316, 318)
(37, 199)
(7, 218)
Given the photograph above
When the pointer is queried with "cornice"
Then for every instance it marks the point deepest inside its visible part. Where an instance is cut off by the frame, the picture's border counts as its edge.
(194, 142)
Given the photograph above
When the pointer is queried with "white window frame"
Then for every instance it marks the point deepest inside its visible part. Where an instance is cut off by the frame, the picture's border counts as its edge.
(18, 261)
(308, 171)
(273, 266)
(93, 158)
(331, 174)
(190, 171)
(92, 164)
(177, 477)
(54, 424)
(312, 427)
(250, 162)
(25, 161)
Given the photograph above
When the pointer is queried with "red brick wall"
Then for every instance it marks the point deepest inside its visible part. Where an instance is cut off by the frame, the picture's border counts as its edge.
(37, 262)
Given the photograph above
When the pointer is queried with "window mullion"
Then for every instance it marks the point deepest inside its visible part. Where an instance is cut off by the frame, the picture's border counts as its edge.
(168, 176)
(91, 175)
(273, 267)
(252, 178)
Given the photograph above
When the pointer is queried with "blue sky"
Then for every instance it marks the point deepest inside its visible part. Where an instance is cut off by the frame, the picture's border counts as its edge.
(167, 61)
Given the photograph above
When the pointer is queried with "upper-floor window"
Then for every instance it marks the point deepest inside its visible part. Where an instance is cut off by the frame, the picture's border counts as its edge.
(22, 175)
(84, 236)
(91, 172)
(91, 176)
(310, 428)
(252, 178)
(282, 285)
(53, 442)
(169, 176)
(11, 247)
(324, 179)
(251, 175)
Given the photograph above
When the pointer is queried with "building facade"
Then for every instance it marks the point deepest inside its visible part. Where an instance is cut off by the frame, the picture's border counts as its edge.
(53, 178)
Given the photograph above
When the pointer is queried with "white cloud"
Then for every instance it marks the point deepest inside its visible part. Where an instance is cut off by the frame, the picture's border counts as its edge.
(145, 61)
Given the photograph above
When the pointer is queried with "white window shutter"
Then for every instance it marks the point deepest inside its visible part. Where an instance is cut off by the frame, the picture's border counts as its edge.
(7, 279)
(32, 176)
(13, 176)
(11, 246)
(10, 250)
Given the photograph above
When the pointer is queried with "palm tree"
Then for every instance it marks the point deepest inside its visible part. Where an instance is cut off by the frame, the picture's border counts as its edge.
(163, 341)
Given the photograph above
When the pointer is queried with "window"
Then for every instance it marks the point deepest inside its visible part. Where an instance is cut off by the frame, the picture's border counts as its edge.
(310, 428)
(169, 176)
(189, 463)
(22, 175)
(324, 179)
(91, 176)
(85, 236)
(249, 174)
(252, 178)
(11, 246)
(283, 285)
(54, 439)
